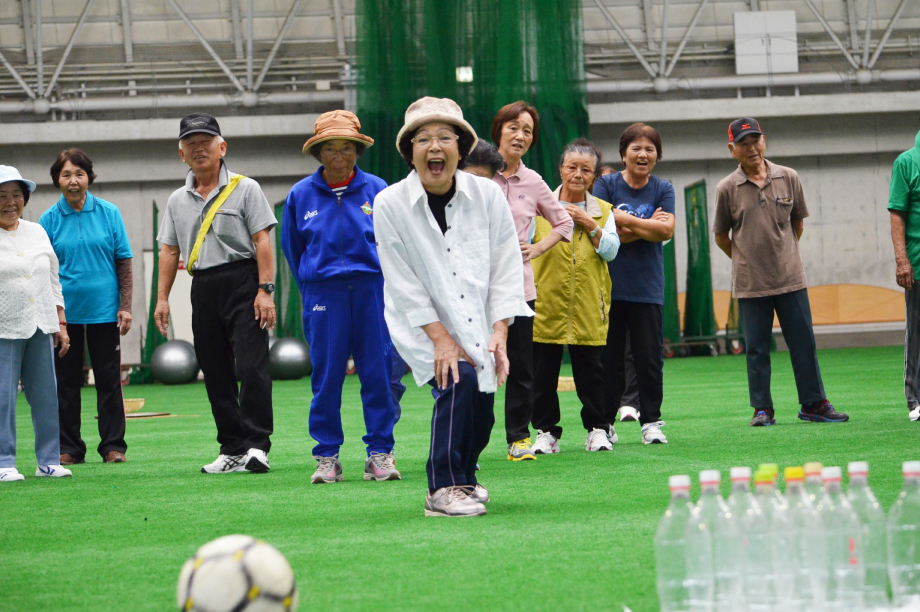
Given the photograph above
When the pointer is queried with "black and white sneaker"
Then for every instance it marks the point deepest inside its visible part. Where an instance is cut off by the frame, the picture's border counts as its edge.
(257, 461)
(226, 463)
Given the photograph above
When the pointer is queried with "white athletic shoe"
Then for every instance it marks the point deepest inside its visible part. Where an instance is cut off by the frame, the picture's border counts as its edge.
(52, 471)
(651, 433)
(612, 436)
(328, 469)
(256, 461)
(597, 441)
(914, 415)
(452, 501)
(479, 494)
(10, 475)
(546, 443)
(628, 413)
(225, 464)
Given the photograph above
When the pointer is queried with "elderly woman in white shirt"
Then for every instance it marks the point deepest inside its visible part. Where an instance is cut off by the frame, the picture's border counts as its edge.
(32, 323)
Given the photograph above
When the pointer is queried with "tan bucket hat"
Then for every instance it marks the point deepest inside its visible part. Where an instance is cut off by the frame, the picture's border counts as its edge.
(337, 124)
(427, 110)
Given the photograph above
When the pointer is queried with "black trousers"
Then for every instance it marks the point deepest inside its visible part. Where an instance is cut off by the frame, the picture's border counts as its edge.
(519, 384)
(588, 372)
(461, 424)
(104, 344)
(644, 324)
(225, 329)
(794, 313)
(631, 392)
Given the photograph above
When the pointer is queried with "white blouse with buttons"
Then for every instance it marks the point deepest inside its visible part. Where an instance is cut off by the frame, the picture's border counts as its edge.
(30, 289)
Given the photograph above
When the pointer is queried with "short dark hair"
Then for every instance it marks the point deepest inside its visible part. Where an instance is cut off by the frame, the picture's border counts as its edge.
(464, 143)
(510, 112)
(360, 147)
(637, 131)
(485, 155)
(582, 146)
(610, 167)
(25, 192)
(77, 158)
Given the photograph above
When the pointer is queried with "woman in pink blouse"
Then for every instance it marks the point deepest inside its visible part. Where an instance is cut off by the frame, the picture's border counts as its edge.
(515, 129)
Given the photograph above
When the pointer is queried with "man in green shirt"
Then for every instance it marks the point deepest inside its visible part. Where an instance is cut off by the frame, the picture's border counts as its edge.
(904, 206)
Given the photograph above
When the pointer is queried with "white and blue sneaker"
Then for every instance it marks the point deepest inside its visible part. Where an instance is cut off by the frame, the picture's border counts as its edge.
(52, 471)
(226, 463)
(10, 475)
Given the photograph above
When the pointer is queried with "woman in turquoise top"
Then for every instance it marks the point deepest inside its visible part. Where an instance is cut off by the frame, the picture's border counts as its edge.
(90, 241)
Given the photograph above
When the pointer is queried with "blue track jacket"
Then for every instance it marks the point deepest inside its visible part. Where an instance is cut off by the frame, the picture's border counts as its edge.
(325, 236)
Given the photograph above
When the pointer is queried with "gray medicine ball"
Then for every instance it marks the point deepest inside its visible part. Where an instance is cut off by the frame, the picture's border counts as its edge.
(174, 363)
(289, 359)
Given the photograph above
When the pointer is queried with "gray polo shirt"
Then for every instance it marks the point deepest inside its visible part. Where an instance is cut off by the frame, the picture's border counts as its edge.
(229, 239)
(765, 249)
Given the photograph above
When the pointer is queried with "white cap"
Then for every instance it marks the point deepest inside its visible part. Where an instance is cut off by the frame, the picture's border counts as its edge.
(859, 468)
(740, 473)
(681, 481)
(710, 477)
(910, 468)
(9, 173)
(831, 473)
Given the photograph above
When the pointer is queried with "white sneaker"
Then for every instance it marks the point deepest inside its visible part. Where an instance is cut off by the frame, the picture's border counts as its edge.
(628, 413)
(651, 433)
(52, 471)
(479, 494)
(597, 441)
(256, 461)
(225, 464)
(914, 415)
(452, 501)
(328, 469)
(10, 475)
(612, 436)
(546, 443)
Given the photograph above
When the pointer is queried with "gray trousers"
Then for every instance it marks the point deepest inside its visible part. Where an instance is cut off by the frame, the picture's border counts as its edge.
(794, 314)
(33, 361)
(912, 346)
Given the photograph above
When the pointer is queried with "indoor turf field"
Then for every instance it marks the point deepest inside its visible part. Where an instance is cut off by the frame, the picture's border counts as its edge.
(566, 532)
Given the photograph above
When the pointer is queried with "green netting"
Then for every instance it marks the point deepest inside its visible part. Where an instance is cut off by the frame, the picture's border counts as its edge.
(288, 304)
(519, 50)
(699, 312)
(670, 312)
(152, 338)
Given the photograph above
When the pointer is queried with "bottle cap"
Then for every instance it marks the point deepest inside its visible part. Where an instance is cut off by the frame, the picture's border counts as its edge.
(794, 473)
(858, 468)
(910, 468)
(769, 467)
(813, 468)
(710, 477)
(831, 474)
(678, 482)
(740, 473)
(763, 477)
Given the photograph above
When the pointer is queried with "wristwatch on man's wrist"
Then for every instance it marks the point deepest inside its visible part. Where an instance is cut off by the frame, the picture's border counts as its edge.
(593, 232)
(270, 287)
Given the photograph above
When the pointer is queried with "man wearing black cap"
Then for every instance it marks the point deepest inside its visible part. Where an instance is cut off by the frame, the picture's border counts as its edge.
(219, 223)
(763, 206)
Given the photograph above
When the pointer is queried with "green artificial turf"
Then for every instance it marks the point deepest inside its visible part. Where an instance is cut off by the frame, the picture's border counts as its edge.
(566, 532)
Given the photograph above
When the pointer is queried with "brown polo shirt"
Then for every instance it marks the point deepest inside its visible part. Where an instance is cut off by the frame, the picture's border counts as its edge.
(765, 249)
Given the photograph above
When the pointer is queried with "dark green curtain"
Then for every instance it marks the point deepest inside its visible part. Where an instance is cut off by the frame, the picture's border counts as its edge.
(699, 312)
(518, 49)
(670, 312)
(288, 303)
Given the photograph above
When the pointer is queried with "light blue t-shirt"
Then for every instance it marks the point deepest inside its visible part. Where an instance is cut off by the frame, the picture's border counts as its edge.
(87, 243)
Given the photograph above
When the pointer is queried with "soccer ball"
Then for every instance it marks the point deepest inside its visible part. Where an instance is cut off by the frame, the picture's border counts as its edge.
(237, 573)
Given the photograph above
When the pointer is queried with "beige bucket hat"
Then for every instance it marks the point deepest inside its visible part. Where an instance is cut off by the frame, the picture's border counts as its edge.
(428, 110)
(337, 124)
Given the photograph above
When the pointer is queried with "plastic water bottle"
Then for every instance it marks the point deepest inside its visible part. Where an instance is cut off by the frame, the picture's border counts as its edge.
(813, 483)
(843, 546)
(806, 551)
(683, 554)
(874, 537)
(904, 542)
(726, 542)
(773, 468)
(776, 567)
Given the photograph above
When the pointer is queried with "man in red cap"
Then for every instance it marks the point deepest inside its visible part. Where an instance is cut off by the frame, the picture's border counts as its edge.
(763, 206)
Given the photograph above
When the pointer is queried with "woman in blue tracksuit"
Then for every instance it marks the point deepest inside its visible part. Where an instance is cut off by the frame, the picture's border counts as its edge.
(327, 235)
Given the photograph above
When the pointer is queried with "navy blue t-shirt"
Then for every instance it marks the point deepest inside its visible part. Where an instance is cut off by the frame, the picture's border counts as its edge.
(637, 273)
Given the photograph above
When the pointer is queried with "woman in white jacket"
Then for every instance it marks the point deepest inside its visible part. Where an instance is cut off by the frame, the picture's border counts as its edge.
(32, 324)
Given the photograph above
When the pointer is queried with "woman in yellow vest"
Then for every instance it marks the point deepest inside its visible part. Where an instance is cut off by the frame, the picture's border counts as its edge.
(573, 303)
